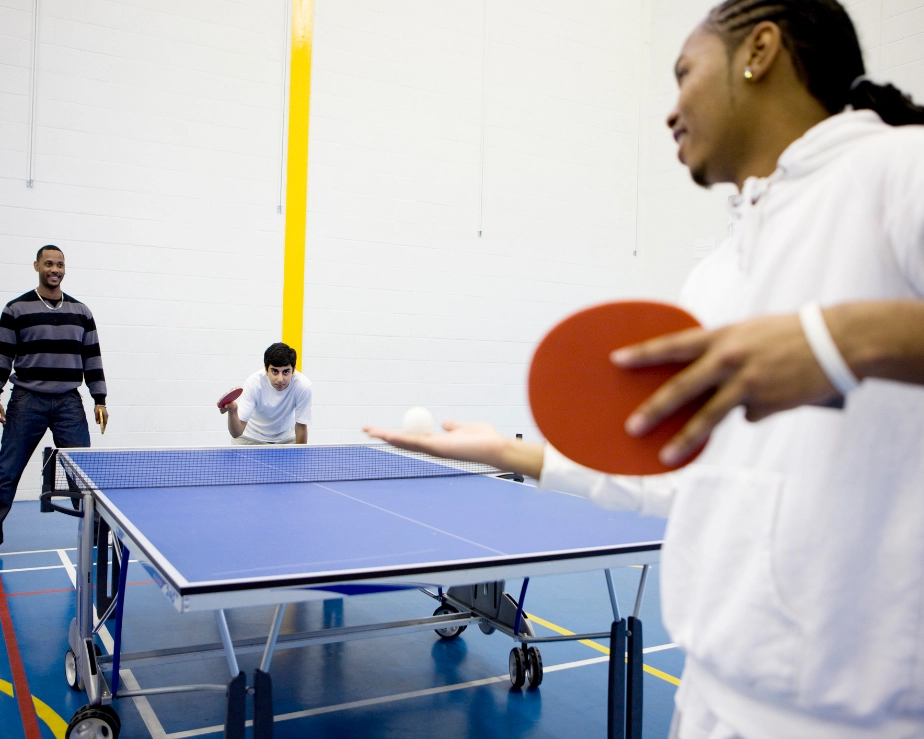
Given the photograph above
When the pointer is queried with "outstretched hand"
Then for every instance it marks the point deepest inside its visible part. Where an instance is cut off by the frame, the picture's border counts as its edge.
(764, 364)
(469, 442)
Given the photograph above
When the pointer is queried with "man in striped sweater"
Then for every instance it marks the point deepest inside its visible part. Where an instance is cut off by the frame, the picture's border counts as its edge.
(50, 340)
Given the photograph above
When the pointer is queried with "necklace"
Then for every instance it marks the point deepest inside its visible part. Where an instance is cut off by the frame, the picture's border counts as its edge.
(47, 304)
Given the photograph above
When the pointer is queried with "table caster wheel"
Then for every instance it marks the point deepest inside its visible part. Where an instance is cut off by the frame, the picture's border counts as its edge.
(449, 632)
(94, 722)
(533, 667)
(517, 667)
(71, 673)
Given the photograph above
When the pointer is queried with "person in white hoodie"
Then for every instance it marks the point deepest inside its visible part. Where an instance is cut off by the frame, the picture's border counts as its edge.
(793, 562)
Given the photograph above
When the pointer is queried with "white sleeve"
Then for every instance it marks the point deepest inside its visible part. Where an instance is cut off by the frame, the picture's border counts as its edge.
(905, 208)
(303, 407)
(247, 403)
(649, 496)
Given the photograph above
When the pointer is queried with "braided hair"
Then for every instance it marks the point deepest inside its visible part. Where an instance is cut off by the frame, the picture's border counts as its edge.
(825, 51)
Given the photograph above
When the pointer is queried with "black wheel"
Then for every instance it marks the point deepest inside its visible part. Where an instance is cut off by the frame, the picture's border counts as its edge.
(71, 673)
(450, 632)
(533, 667)
(94, 722)
(516, 665)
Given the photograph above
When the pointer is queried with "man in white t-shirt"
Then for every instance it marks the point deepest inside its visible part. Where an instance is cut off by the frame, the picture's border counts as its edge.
(275, 407)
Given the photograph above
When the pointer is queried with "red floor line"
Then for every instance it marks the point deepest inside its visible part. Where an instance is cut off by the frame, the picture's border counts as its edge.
(20, 683)
(67, 590)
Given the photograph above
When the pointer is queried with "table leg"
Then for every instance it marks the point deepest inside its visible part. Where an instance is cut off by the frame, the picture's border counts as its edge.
(120, 609)
(616, 702)
(273, 636)
(236, 714)
(614, 602)
(634, 676)
(262, 705)
(227, 643)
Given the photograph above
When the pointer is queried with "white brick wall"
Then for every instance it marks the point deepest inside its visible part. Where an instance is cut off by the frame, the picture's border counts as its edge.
(156, 170)
(405, 303)
(157, 167)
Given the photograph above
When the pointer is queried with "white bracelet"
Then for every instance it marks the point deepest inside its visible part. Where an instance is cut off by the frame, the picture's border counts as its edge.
(825, 350)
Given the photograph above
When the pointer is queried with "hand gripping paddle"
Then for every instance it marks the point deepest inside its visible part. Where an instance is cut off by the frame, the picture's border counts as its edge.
(581, 400)
(230, 396)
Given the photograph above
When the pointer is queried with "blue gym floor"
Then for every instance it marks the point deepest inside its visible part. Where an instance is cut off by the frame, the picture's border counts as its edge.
(414, 685)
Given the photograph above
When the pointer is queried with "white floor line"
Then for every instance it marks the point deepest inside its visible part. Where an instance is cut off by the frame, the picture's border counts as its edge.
(659, 648)
(37, 551)
(403, 696)
(126, 676)
(36, 569)
(31, 569)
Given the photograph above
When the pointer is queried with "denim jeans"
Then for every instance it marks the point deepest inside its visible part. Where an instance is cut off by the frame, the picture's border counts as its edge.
(28, 415)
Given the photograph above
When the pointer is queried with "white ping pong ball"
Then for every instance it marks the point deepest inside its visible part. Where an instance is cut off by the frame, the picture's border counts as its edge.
(417, 420)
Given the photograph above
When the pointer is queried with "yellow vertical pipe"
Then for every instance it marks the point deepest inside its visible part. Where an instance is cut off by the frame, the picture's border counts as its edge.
(293, 280)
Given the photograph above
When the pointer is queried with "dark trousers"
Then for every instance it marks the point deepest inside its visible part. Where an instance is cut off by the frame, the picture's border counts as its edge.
(28, 415)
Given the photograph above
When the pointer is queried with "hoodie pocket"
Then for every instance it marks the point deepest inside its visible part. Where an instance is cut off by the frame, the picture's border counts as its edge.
(720, 599)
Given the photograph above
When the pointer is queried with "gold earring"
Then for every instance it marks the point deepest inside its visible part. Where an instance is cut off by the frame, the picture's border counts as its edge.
(748, 74)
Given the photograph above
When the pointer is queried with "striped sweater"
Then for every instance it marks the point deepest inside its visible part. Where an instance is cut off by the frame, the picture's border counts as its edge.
(53, 350)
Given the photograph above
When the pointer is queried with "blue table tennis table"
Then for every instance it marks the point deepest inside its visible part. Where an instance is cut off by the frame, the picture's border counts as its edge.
(222, 528)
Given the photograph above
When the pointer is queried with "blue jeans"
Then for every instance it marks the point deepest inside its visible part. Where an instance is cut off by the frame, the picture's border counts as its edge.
(28, 415)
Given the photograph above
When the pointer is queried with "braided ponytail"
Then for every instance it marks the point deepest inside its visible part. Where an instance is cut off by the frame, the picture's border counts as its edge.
(894, 106)
(825, 51)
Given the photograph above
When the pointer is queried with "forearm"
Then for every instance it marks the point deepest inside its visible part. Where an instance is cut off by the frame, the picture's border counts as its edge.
(301, 433)
(235, 425)
(883, 339)
(524, 457)
(649, 496)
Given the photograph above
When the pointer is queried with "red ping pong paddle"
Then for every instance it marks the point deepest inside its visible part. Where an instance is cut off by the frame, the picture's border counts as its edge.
(581, 400)
(230, 396)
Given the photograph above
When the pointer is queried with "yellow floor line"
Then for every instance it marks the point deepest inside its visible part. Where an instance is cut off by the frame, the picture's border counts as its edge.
(599, 647)
(45, 712)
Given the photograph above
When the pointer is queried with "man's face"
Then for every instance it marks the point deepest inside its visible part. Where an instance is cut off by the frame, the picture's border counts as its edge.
(704, 118)
(50, 268)
(280, 377)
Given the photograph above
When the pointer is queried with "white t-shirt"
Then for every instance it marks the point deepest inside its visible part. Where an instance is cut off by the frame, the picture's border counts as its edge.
(271, 414)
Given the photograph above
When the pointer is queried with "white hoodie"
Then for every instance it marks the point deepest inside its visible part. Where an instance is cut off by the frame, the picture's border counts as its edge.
(793, 563)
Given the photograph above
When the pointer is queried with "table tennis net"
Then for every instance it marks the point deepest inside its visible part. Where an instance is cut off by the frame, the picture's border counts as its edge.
(256, 465)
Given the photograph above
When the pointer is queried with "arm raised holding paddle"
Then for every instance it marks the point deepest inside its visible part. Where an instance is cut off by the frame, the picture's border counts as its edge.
(767, 364)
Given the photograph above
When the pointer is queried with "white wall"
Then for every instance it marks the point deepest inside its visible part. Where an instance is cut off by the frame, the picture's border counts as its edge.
(157, 160)
(406, 304)
(156, 170)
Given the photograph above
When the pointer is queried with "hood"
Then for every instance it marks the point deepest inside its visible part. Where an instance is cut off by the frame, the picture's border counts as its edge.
(819, 145)
(815, 148)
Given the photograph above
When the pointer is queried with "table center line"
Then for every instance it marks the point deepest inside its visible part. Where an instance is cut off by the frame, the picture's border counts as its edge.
(412, 520)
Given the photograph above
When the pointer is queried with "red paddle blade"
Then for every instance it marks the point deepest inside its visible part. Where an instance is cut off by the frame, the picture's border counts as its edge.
(580, 400)
(230, 396)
